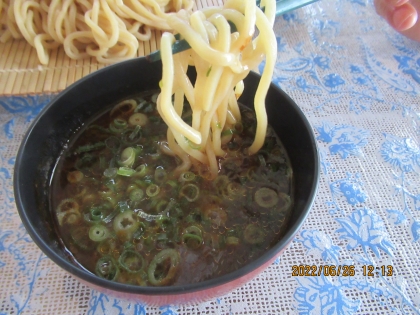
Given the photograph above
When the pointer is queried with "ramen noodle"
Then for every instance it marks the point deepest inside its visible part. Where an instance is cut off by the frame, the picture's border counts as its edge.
(222, 58)
(108, 30)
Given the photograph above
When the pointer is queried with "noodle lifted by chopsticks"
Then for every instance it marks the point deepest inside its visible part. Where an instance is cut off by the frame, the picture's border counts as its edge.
(222, 61)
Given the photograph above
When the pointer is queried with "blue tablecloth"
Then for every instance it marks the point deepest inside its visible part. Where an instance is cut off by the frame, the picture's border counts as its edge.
(358, 82)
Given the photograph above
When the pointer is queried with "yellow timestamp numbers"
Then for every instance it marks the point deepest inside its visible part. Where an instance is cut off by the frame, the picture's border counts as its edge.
(326, 270)
(384, 270)
(341, 270)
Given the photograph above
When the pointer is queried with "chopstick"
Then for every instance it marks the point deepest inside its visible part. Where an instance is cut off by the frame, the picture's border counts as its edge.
(282, 7)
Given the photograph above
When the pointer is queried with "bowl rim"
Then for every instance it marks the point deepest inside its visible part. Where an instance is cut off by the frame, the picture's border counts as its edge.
(89, 277)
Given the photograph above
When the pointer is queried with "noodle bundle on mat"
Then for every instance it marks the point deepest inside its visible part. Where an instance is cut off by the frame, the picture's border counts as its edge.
(109, 30)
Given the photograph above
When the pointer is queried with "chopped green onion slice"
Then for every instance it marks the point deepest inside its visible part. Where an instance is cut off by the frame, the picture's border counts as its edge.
(190, 192)
(125, 224)
(90, 147)
(254, 234)
(192, 240)
(161, 205)
(266, 197)
(107, 268)
(111, 172)
(140, 106)
(85, 162)
(131, 136)
(125, 171)
(138, 119)
(96, 214)
(127, 158)
(120, 123)
(193, 229)
(136, 194)
(131, 261)
(142, 170)
(232, 240)
(98, 233)
(135, 134)
(235, 189)
(69, 217)
(152, 190)
(125, 107)
(172, 184)
(164, 267)
(186, 176)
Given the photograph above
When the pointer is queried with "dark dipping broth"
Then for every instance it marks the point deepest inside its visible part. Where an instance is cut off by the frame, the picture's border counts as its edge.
(126, 216)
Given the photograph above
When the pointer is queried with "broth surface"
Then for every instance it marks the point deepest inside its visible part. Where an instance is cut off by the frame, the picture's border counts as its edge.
(126, 216)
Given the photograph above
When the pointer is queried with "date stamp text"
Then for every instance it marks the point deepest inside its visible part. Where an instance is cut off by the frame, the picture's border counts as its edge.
(341, 270)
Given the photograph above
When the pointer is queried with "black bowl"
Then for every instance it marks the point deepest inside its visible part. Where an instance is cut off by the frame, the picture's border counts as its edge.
(49, 133)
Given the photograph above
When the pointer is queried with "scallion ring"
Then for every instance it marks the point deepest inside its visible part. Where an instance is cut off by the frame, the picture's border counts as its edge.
(164, 267)
(266, 197)
(192, 241)
(125, 224)
(152, 190)
(98, 233)
(96, 214)
(136, 194)
(111, 172)
(254, 234)
(138, 119)
(142, 170)
(187, 176)
(131, 261)
(192, 237)
(125, 171)
(118, 125)
(69, 217)
(106, 268)
(127, 158)
(125, 107)
(232, 241)
(190, 192)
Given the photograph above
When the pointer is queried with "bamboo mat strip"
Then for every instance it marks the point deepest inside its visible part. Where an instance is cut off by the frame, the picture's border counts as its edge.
(22, 74)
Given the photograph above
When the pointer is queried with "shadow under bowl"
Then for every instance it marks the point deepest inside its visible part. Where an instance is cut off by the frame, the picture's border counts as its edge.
(65, 114)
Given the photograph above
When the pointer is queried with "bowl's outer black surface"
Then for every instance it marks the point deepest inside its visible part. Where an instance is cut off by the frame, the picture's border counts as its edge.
(49, 133)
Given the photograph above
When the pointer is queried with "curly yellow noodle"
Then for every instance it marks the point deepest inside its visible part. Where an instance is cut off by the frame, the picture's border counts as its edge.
(115, 26)
(222, 60)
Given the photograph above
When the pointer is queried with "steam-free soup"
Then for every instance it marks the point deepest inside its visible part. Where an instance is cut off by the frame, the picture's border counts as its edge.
(127, 215)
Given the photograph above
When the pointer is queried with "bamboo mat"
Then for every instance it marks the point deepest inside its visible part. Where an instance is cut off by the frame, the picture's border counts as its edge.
(22, 73)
